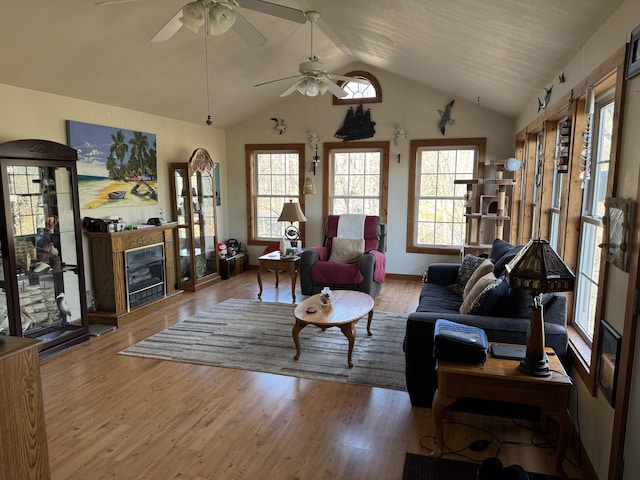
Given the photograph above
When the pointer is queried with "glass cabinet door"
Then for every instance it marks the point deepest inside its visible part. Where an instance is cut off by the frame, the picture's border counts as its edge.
(195, 212)
(45, 255)
(204, 223)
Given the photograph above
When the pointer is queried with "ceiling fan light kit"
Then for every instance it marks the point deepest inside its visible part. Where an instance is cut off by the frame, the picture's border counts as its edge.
(314, 79)
(193, 16)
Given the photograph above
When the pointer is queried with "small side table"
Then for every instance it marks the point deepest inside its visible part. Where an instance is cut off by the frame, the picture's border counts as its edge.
(500, 380)
(276, 263)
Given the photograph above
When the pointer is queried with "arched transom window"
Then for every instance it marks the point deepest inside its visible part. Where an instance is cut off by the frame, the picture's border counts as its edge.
(358, 92)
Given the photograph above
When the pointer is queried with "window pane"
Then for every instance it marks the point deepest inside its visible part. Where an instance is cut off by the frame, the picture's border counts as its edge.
(276, 181)
(356, 182)
(440, 203)
(587, 278)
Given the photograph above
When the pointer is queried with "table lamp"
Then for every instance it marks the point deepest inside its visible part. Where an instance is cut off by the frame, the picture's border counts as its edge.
(538, 269)
(291, 212)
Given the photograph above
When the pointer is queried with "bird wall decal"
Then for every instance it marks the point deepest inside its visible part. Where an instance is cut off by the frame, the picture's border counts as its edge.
(542, 104)
(401, 134)
(280, 127)
(445, 117)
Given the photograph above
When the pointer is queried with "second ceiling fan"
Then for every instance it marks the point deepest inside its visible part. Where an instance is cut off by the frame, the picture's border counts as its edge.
(314, 79)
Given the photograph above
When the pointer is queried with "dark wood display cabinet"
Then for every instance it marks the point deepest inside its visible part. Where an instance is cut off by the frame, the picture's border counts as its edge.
(194, 207)
(42, 274)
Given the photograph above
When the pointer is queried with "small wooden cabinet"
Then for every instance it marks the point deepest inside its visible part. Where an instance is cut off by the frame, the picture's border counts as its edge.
(23, 437)
(231, 266)
(133, 272)
(42, 283)
(194, 207)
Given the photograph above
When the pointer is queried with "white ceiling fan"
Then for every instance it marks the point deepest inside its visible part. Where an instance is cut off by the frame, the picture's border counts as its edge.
(314, 79)
(218, 16)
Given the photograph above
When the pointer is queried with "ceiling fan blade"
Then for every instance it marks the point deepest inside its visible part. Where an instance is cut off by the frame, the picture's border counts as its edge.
(333, 88)
(363, 81)
(248, 32)
(277, 80)
(169, 29)
(114, 2)
(290, 90)
(275, 10)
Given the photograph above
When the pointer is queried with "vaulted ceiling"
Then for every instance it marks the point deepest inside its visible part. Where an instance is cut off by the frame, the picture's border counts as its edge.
(498, 51)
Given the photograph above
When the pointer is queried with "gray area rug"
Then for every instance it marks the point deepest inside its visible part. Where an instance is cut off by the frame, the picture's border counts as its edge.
(256, 336)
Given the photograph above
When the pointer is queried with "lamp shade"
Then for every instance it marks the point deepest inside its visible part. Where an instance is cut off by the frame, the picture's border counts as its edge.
(538, 268)
(291, 212)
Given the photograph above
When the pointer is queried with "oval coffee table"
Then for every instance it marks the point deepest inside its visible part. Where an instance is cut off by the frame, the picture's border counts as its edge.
(347, 307)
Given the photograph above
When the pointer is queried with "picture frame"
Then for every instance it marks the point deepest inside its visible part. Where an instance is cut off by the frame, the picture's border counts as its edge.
(633, 54)
(116, 167)
(609, 343)
(617, 228)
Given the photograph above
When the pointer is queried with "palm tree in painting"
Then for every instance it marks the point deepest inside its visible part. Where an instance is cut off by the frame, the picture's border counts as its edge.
(112, 168)
(120, 148)
(139, 149)
(139, 156)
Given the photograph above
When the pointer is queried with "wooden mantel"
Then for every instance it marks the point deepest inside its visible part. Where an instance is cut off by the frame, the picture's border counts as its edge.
(109, 276)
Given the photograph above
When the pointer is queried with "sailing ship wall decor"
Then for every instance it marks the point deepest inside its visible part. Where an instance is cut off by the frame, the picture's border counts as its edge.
(357, 125)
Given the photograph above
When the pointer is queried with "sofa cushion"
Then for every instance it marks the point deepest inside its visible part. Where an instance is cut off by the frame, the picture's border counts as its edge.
(476, 294)
(346, 250)
(489, 303)
(485, 267)
(502, 262)
(336, 273)
(468, 266)
(499, 248)
(436, 298)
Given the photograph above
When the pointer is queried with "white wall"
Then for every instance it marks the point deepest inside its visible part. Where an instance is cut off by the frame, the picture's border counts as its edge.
(412, 106)
(596, 415)
(32, 114)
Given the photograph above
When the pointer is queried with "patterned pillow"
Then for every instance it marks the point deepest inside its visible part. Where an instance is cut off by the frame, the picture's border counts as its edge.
(476, 295)
(469, 265)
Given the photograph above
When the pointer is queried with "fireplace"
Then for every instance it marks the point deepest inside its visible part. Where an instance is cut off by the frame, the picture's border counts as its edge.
(144, 268)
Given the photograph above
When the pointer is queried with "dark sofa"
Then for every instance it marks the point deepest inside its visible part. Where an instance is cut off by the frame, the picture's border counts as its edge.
(504, 317)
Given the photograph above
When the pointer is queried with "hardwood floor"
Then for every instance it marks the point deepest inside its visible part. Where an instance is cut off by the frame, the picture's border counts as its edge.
(111, 416)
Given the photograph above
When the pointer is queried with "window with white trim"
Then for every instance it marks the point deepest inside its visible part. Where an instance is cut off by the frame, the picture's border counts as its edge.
(597, 152)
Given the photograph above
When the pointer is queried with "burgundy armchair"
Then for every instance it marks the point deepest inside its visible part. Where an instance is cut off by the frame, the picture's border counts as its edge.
(365, 275)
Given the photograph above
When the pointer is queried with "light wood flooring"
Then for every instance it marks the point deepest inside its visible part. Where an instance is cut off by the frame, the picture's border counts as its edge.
(111, 416)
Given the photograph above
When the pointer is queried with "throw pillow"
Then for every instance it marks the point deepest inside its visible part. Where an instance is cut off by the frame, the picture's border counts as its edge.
(484, 268)
(468, 266)
(476, 294)
(346, 250)
(492, 297)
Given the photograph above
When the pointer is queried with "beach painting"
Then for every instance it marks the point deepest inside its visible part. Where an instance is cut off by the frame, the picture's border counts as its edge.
(116, 167)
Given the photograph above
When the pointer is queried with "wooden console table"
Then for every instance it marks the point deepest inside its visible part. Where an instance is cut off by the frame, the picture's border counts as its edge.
(500, 380)
(108, 265)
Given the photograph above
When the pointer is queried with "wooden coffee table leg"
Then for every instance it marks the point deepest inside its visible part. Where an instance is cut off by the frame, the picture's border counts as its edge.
(293, 284)
(299, 325)
(349, 330)
(369, 323)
